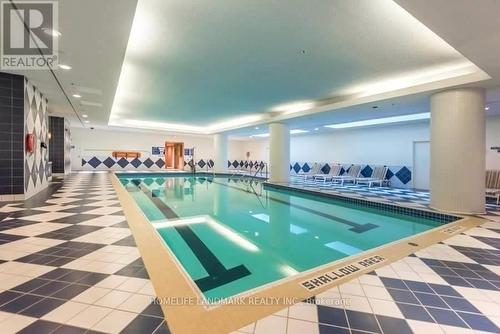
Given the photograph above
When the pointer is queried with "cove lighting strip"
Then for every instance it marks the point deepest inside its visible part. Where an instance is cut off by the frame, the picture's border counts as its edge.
(292, 132)
(378, 121)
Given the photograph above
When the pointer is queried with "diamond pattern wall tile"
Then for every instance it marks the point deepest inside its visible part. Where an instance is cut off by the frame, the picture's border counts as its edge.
(136, 162)
(404, 175)
(94, 162)
(326, 169)
(296, 167)
(306, 168)
(122, 162)
(160, 163)
(148, 163)
(367, 171)
(108, 162)
(389, 174)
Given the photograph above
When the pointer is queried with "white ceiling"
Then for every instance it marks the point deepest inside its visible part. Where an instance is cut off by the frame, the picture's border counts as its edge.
(93, 41)
(204, 67)
(212, 66)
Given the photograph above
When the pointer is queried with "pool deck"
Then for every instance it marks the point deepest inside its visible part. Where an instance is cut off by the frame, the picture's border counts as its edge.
(68, 261)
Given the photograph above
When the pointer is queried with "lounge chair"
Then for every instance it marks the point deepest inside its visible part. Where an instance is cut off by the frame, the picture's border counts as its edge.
(334, 171)
(314, 170)
(493, 184)
(378, 176)
(351, 175)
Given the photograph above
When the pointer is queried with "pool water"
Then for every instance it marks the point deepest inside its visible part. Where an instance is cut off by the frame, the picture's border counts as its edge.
(233, 235)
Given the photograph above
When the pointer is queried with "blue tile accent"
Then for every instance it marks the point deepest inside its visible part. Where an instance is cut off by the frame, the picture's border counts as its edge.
(367, 171)
(479, 322)
(201, 163)
(326, 329)
(325, 169)
(296, 167)
(122, 162)
(148, 163)
(460, 304)
(446, 317)
(332, 316)
(418, 286)
(430, 300)
(363, 321)
(404, 175)
(393, 325)
(94, 162)
(235, 164)
(389, 174)
(108, 162)
(160, 163)
(414, 312)
(84, 162)
(136, 162)
(306, 168)
(403, 296)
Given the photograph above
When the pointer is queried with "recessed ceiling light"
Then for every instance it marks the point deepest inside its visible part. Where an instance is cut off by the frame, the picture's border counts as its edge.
(65, 67)
(85, 115)
(51, 32)
(486, 108)
(87, 121)
(77, 96)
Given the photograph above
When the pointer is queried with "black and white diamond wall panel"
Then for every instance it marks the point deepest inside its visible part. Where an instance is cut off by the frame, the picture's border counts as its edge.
(398, 176)
(36, 122)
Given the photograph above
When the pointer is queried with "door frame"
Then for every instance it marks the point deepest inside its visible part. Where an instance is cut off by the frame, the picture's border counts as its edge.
(413, 161)
(178, 155)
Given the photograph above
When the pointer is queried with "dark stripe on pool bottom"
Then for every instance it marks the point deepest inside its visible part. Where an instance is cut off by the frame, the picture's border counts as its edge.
(355, 227)
(217, 274)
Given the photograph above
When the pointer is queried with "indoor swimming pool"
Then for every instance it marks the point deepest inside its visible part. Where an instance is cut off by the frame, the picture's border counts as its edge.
(232, 235)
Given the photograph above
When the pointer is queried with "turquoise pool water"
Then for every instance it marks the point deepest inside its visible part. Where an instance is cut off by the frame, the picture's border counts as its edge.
(232, 235)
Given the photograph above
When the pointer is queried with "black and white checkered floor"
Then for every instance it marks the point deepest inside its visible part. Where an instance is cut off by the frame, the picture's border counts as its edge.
(68, 264)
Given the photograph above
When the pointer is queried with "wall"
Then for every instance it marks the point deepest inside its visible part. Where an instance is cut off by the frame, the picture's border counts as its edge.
(101, 143)
(36, 166)
(385, 145)
(492, 139)
(11, 136)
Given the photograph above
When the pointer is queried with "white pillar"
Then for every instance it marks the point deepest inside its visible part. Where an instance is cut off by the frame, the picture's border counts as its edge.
(458, 151)
(279, 153)
(220, 151)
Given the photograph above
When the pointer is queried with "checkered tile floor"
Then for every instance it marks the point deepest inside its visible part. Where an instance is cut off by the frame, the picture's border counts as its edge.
(69, 264)
(406, 197)
(450, 287)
